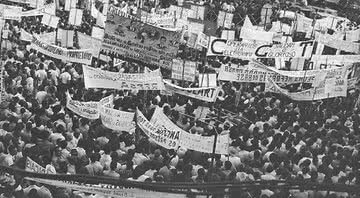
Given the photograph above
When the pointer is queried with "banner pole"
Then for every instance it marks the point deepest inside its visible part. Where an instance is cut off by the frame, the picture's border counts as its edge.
(182, 76)
(266, 13)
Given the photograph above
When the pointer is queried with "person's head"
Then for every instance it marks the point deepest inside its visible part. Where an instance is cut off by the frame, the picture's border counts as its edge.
(162, 40)
(33, 193)
(113, 165)
(94, 157)
(228, 165)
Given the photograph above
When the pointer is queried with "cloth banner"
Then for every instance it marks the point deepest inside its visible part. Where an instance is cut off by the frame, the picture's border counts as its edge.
(161, 136)
(207, 80)
(49, 9)
(10, 12)
(76, 56)
(329, 61)
(228, 34)
(330, 41)
(127, 36)
(117, 120)
(353, 35)
(66, 37)
(248, 50)
(224, 19)
(183, 70)
(32, 166)
(159, 20)
(50, 20)
(181, 12)
(198, 12)
(96, 78)
(89, 110)
(188, 140)
(37, 3)
(48, 37)
(332, 85)
(250, 34)
(204, 94)
(75, 17)
(88, 42)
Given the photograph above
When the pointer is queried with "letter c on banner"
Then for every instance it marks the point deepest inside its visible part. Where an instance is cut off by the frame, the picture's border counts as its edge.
(212, 46)
(259, 48)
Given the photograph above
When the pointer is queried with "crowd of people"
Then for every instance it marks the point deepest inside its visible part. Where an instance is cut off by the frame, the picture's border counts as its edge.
(284, 140)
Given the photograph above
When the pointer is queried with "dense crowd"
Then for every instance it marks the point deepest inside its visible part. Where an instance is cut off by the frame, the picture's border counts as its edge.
(284, 140)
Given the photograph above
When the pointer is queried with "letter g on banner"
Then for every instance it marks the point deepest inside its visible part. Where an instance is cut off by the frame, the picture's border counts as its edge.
(259, 48)
(213, 48)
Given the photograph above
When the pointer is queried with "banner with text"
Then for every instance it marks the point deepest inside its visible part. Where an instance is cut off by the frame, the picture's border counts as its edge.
(117, 120)
(204, 94)
(87, 110)
(127, 36)
(96, 78)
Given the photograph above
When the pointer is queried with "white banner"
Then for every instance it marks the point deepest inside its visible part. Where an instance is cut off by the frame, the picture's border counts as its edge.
(191, 141)
(97, 33)
(37, 3)
(70, 4)
(117, 120)
(32, 166)
(96, 78)
(330, 41)
(88, 42)
(75, 17)
(48, 37)
(89, 110)
(66, 37)
(203, 40)
(248, 50)
(250, 34)
(76, 56)
(10, 12)
(161, 136)
(207, 80)
(329, 61)
(49, 9)
(337, 87)
(204, 94)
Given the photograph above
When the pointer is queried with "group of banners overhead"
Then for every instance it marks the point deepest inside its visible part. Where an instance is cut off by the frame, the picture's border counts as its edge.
(329, 85)
(127, 36)
(97, 78)
(76, 56)
(248, 50)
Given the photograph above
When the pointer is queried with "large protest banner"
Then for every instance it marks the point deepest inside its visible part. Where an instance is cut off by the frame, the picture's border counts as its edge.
(166, 138)
(248, 50)
(76, 56)
(191, 141)
(49, 8)
(333, 84)
(329, 61)
(50, 20)
(127, 36)
(10, 12)
(330, 41)
(204, 94)
(100, 189)
(89, 110)
(96, 78)
(117, 120)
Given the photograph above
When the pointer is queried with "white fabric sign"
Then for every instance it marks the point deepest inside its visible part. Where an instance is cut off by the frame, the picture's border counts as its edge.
(70, 4)
(96, 78)
(88, 42)
(49, 8)
(50, 20)
(161, 136)
(87, 110)
(204, 94)
(117, 120)
(224, 19)
(10, 12)
(249, 34)
(183, 70)
(48, 37)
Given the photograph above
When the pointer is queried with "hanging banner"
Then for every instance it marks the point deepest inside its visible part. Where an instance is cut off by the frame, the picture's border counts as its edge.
(49, 9)
(247, 50)
(48, 37)
(117, 120)
(224, 19)
(204, 94)
(76, 56)
(107, 102)
(87, 110)
(75, 17)
(183, 70)
(127, 36)
(97, 33)
(250, 34)
(96, 78)
(330, 41)
(337, 86)
(10, 12)
(161, 136)
(191, 141)
(159, 20)
(50, 20)
(66, 37)
(88, 42)
(32, 166)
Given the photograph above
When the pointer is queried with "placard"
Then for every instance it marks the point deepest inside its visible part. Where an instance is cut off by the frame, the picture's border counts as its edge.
(75, 17)
(117, 120)
(127, 36)
(50, 20)
(88, 42)
(10, 12)
(70, 4)
(183, 70)
(225, 19)
(49, 8)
